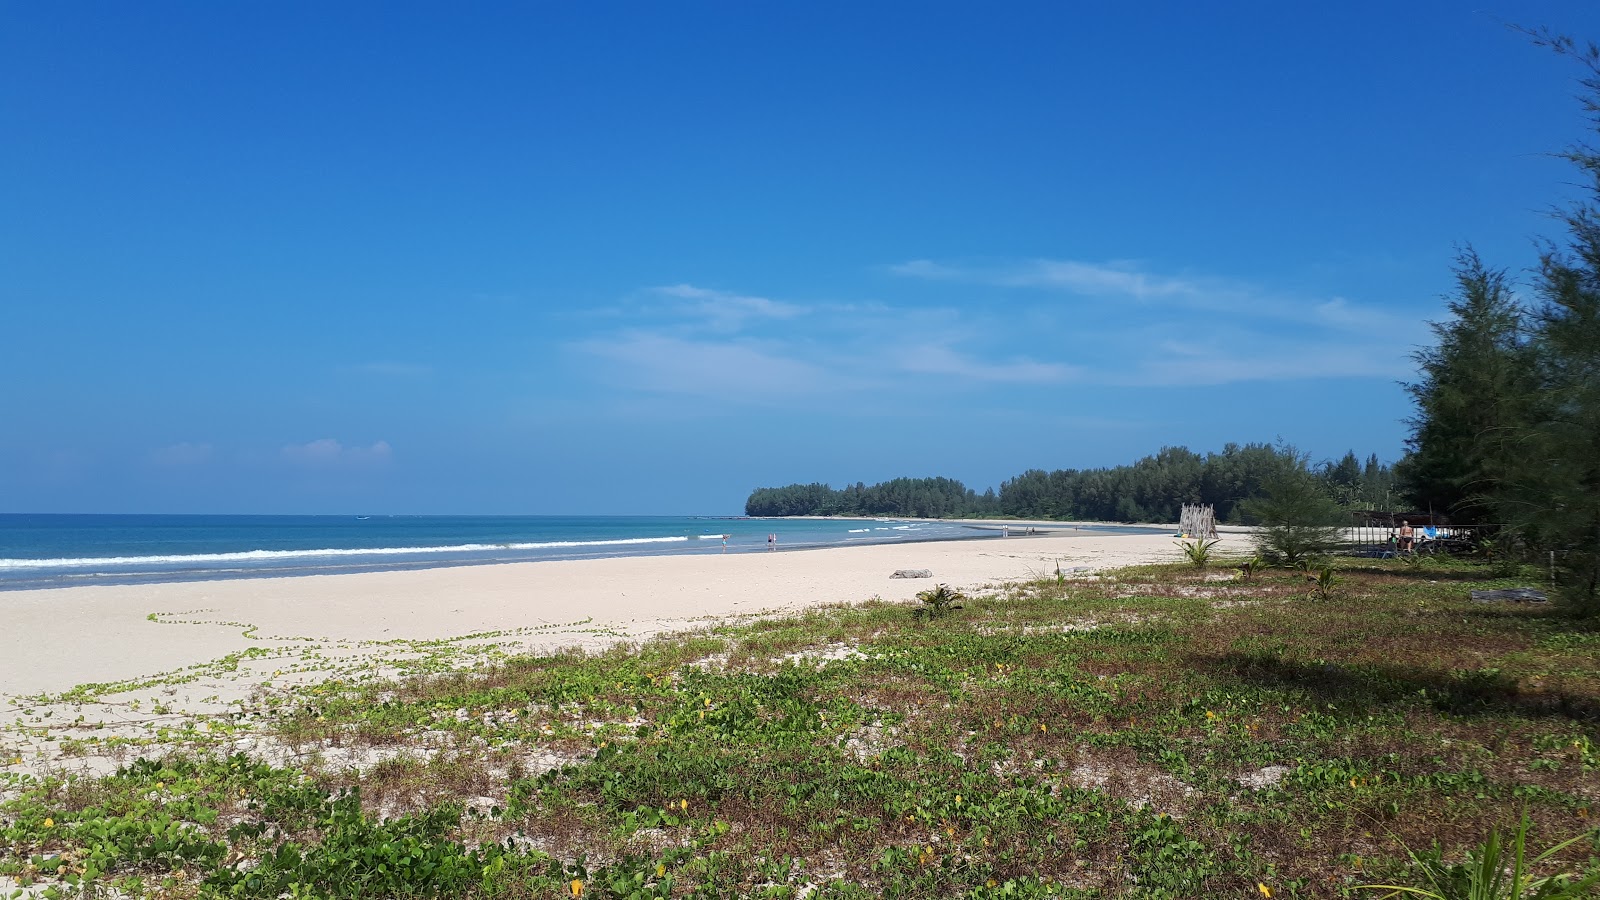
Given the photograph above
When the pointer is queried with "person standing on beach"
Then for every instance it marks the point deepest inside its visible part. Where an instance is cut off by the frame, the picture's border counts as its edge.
(724, 543)
(1406, 535)
(772, 541)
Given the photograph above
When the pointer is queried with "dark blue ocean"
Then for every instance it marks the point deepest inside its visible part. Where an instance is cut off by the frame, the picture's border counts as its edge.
(46, 551)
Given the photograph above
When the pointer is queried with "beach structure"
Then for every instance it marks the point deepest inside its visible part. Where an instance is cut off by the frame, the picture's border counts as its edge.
(1198, 522)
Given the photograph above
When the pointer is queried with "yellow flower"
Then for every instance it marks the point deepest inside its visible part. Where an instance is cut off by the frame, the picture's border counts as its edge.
(161, 785)
(991, 883)
(49, 823)
(1210, 714)
(661, 870)
(577, 887)
(683, 804)
(17, 761)
(1265, 891)
(708, 702)
(1043, 727)
(1352, 782)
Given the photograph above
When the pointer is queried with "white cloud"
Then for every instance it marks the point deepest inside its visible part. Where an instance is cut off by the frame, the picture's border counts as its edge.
(939, 359)
(926, 268)
(725, 311)
(329, 452)
(732, 369)
(1225, 361)
(1097, 279)
(1121, 280)
(183, 453)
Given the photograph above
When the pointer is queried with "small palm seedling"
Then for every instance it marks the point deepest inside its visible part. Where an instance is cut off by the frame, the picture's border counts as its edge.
(937, 602)
(1324, 582)
(1496, 870)
(1198, 552)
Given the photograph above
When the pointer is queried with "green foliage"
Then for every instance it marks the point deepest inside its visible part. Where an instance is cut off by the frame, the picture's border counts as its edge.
(412, 856)
(1476, 393)
(1253, 567)
(938, 602)
(1197, 552)
(1299, 522)
(1154, 489)
(1111, 738)
(1509, 415)
(928, 498)
(1494, 870)
(1324, 582)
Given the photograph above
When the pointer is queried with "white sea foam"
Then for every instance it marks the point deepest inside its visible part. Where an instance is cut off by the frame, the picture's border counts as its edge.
(262, 555)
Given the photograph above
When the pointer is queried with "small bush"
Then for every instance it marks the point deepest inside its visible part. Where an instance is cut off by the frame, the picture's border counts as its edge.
(938, 602)
(1198, 552)
(1493, 871)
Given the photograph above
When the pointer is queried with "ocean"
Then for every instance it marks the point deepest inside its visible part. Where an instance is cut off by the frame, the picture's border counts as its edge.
(50, 551)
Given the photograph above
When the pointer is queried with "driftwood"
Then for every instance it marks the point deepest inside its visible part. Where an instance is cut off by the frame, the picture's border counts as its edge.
(1198, 522)
(912, 573)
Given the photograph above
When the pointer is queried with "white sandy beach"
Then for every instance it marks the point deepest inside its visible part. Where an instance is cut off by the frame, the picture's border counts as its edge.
(304, 629)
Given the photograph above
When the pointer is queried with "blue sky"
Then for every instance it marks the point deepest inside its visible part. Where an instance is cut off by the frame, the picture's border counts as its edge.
(642, 258)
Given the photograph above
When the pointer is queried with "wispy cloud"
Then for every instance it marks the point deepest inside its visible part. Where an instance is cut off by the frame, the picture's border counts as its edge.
(1129, 280)
(181, 454)
(1227, 362)
(735, 369)
(724, 310)
(938, 359)
(1146, 328)
(329, 452)
(1120, 278)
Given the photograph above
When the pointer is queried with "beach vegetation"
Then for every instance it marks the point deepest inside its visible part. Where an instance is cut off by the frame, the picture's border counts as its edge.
(1155, 734)
(1197, 551)
(1508, 412)
(1253, 566)
(1498, 869)
(1298, 521)
(1324, 582)
(938, 602)
(1476, 392)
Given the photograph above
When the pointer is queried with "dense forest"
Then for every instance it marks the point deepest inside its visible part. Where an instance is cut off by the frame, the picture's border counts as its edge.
(1150, 490)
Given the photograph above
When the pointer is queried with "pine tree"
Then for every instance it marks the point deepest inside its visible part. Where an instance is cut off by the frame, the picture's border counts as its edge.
(1472, 402)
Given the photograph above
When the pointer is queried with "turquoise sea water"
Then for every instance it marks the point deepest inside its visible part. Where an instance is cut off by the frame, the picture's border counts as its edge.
(43, 551)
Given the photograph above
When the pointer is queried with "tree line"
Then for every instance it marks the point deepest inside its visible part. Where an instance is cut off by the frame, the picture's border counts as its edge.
(1507, 428)
(1154, 489)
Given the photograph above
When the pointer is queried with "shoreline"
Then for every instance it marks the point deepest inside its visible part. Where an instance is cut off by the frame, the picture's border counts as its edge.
(236, 565)
(203, 649)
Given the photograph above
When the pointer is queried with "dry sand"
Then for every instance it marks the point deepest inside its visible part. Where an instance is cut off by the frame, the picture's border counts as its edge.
(186, 660)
